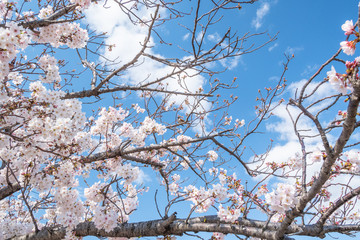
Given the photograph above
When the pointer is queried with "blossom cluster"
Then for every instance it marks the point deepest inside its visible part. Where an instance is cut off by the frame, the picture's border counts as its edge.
(350, 161)
(228, 189)
(4, 9)
(13, 221)
(137, 135)
(113, 209)
(348, 46)
(317, 156)
(149, 126)
(49, 65)
(52, 129)
(228, 214)
(218, 236)
(46, 12)
(295, 162)
(341, 82)
(239, 123)
(64, 33)
(12, 37)
(283, 198)
(212, 155)
(203, 198)
(67, 33)
(106, 120)
(83, 4)
(174, 186)
(69, 208)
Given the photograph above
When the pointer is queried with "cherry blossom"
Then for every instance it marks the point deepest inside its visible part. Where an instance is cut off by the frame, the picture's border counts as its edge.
(46, 12)
(317, 156)
(239, 123)
(212, 155)
(49, 65)
(348, 47)
(218, 236)
(82, 3)
(60, 34)
(228, 214)
(348, 27)
(336, 80)
(295, 162)
(283, 198)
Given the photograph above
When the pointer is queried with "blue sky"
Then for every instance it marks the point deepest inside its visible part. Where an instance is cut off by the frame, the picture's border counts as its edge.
(311, 30)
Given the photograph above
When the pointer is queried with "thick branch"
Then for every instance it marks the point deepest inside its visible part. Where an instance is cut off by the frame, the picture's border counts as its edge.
(119, 152)
(94, 92)
(9, 190)
(49, 20)
(173, 226)
(340, 202)
(151, 228)
(325, 171)
(349, 123)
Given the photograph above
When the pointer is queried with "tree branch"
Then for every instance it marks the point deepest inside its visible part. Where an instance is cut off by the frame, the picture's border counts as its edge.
(341, 201)
(9, 190)
(119, 152)
(173, 226)
(94, 92)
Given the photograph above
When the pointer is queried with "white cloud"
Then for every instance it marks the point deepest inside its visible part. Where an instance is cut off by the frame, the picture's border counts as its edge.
(260, 14)
(274, 78)
(289, 145)
(309, 70)
(128, 40)
(231, 63)
(272, 47)
(282, 126)
(199, 36)
(292, 50)
(120, 31)
(186, 36)
(282, 153)
(321, 92)
(142, 178)
(214, 37)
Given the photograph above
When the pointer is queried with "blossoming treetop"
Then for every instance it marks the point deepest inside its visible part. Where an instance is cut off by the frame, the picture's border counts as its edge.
(68, 173)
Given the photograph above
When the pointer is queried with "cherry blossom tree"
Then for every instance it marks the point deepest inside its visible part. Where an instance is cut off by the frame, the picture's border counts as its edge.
(73, 154)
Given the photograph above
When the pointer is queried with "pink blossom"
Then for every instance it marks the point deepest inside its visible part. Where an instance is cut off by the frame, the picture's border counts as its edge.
(46, 12)
(239, 123)
(348, 27)
(60, 34)
(316, 156)
(283, 198)
(49, 65)
(357, 60)
(173, 188)
(336, 81)
(218, 236)
(212, 155)
(227, 214)
(84, 4)
(348, 47)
